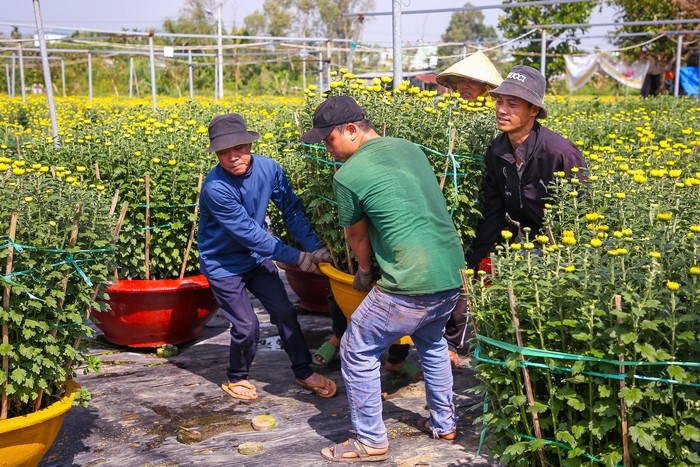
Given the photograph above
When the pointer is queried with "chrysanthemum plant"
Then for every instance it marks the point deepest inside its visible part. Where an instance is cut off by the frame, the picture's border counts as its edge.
(439, 125)
(56, 251)
(606, 307)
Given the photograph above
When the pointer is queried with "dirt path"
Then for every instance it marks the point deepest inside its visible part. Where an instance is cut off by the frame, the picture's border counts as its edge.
(151, 411)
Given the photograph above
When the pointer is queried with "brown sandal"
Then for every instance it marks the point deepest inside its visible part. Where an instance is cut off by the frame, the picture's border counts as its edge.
(335, 453)
(423, 424)
(228, 387)
(326, 383)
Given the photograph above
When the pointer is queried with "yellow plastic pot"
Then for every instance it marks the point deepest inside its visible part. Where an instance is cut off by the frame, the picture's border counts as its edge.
(347, 298)
(24, 440)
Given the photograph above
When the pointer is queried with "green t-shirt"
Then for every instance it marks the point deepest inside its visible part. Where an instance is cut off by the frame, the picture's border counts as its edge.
(416, 244)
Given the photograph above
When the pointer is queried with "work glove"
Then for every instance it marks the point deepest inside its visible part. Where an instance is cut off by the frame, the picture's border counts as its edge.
(306, 263)
(322, 255)
(362, 280)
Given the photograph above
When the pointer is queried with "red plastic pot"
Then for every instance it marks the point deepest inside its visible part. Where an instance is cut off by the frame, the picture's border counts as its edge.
(157, 312)
(312, 289)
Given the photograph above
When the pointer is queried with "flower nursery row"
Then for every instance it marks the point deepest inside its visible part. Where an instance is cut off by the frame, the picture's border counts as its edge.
(587, 353)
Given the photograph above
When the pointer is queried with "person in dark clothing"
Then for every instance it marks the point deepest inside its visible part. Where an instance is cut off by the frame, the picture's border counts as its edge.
(652, 80)
(520, 162)
(236, 252)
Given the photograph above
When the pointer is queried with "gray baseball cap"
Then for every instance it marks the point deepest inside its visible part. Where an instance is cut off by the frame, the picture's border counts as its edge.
(526, 83)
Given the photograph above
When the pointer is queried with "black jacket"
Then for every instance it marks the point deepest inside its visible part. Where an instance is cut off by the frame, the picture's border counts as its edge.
(521, 196)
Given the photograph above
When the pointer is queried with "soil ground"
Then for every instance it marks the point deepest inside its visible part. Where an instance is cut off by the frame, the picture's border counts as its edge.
(152, 411)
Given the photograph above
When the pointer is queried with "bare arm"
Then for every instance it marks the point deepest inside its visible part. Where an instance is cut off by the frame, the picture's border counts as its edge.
(358, 236)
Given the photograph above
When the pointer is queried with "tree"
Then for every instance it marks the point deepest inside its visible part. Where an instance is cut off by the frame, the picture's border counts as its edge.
(642, 10)
(322, 18)
(466, 27)
(560, 41)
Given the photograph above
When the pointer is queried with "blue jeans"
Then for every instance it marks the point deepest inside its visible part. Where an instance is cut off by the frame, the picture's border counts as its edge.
(380, 320)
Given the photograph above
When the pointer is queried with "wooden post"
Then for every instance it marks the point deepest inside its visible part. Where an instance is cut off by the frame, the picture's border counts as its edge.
(194, 227)
(5, 327)
(466, 285)
(526, 372)
(453, 134)
(60, 302)
(115, 199)
(115, 237)
(97, 171)
(383, 129)
(148, 232)
(623, 405)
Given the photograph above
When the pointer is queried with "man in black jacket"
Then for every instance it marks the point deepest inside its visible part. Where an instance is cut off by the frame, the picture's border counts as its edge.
(521, 161)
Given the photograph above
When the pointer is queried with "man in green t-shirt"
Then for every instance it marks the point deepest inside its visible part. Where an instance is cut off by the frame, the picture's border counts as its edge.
(390, 203)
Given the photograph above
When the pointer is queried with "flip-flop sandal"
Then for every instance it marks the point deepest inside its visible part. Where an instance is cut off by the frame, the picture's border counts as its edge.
(228, 387)
(325, 354)
(454, 358)
(335, 453)
(326, 383)
(423, 424)
(408, 371)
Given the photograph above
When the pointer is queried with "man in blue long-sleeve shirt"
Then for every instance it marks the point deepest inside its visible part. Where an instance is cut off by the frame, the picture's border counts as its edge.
(236, 252)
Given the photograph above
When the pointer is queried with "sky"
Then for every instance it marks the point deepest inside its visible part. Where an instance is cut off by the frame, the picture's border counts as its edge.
(143, 14)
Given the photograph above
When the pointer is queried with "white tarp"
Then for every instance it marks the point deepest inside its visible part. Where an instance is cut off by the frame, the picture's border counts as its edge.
(580, 69)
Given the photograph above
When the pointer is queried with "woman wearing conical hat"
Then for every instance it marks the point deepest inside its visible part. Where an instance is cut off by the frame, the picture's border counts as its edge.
(471, 77)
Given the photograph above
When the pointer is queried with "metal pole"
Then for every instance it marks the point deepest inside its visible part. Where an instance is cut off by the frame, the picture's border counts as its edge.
(63, 77)
(89, 55)
(14, 72)
(543, 57)
(303, 73)
(190, 73)
(47, 73)
(220, 52)
(677, 77)
(21, 73)
(328, 61)
(396, 41)
(7, 80)
(320, 74)
(131, 77)
(216, 79)
(153, 70)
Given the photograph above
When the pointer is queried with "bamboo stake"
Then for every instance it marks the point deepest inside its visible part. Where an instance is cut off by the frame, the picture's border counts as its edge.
(71, 243)
(194, 227)
(526, 372)
(297, 120)
(115, 199)
(5, 327)
(148, 221)
(453, 134)
(61, 301)
(115, 237)
(466, 285)
(383, 129)
(97, 171)
(623, 404)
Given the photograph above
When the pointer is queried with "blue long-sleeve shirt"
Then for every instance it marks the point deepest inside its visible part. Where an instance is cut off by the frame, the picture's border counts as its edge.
(233, 237)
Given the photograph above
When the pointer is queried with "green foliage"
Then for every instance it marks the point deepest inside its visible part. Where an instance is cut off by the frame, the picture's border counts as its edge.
(560, 41)
(51, 285)
(466, 27)
(431, 121)
(636, 10)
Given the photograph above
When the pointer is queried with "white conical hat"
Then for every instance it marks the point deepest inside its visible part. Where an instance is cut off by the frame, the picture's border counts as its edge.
(477, 66)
